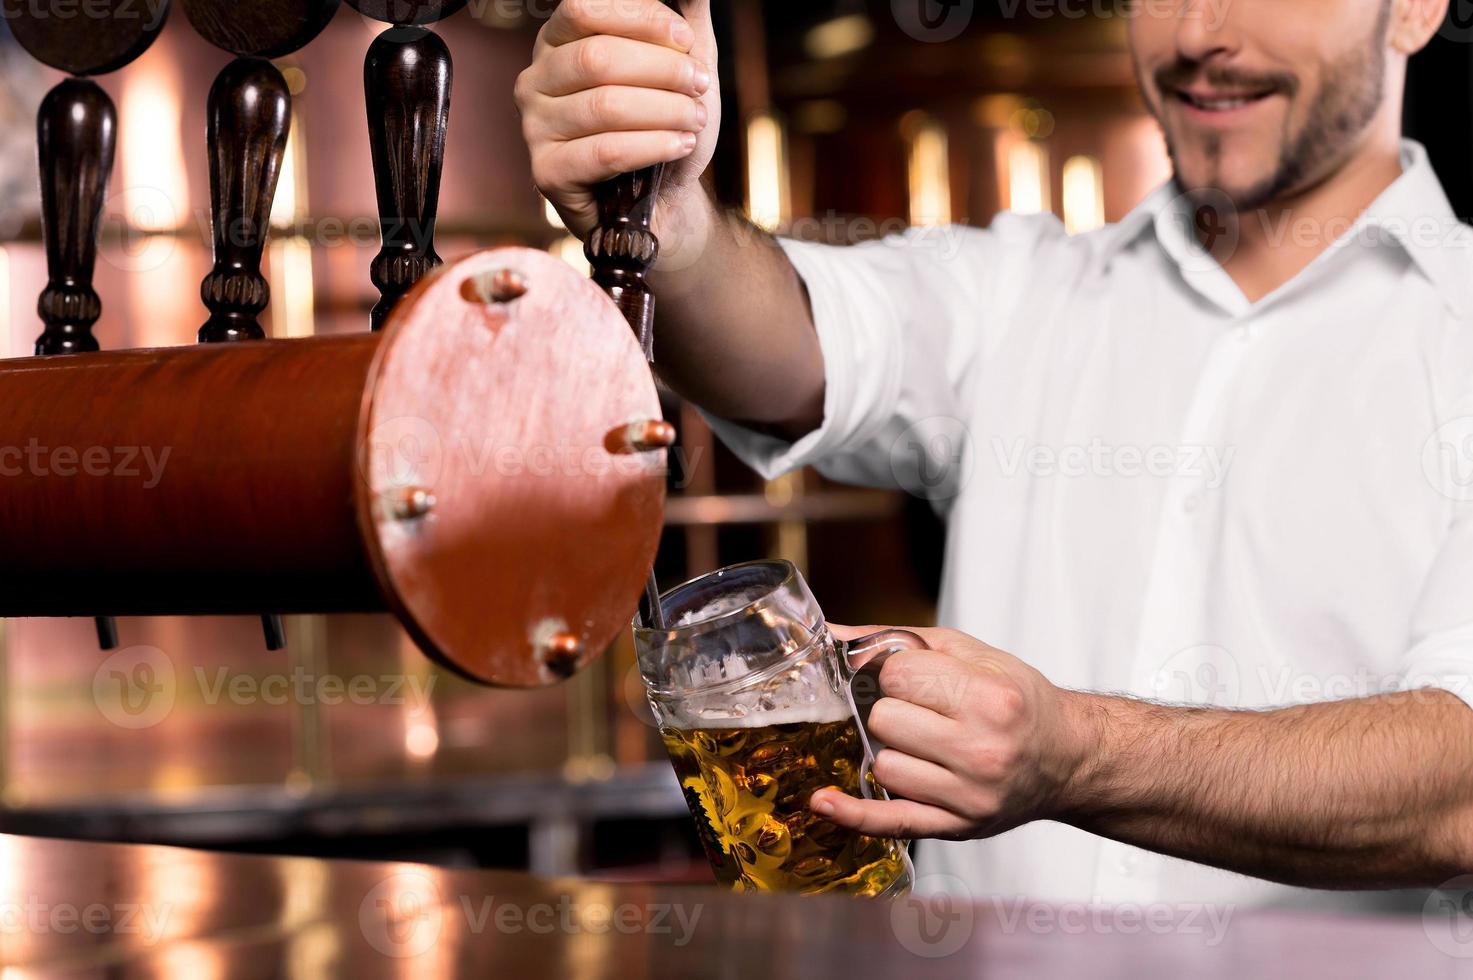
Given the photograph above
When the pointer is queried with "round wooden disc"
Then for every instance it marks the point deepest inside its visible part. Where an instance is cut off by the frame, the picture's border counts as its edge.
(85, 39)
(510, 540)
(260, 28)
(408, 11)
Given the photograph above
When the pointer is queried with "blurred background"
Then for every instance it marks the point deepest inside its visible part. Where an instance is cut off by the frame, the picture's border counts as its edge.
(845, 120)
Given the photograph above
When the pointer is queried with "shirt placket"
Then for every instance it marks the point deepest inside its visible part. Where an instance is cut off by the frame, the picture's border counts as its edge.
(1172, 614)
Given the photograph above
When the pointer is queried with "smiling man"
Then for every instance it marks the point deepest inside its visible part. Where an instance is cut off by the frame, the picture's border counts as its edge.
(1200, 467)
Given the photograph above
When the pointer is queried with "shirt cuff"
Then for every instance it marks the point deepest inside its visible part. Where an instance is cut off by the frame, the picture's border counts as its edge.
(1446, 665)
(771, 456)
(1456, 681)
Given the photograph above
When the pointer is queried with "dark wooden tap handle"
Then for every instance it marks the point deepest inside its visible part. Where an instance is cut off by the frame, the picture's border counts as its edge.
(91, 38)
(623, 248)
(408, 11)
(407, 79)
(260, 28)
(249, 118)
(77, 136)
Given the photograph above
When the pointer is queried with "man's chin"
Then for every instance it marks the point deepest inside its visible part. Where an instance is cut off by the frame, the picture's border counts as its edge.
(1243, 191)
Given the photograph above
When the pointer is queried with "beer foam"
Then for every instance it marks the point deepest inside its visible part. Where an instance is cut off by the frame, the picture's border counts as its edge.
(693, 716)
(719, 606)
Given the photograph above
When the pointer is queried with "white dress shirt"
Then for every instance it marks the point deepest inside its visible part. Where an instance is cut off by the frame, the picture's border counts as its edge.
(1154, 486)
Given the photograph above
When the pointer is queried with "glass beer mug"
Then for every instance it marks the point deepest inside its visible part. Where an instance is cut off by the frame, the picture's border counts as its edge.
(759, 707)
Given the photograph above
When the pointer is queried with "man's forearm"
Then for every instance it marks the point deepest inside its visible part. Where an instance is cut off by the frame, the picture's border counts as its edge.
(735, 332)
(1374, 792)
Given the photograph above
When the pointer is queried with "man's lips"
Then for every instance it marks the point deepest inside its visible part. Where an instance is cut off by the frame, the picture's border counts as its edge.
(1214, 101)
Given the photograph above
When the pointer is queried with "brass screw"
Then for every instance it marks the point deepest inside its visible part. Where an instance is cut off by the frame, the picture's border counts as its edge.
(640, 437)
(561, 653)
(496, 286)
(410, 503)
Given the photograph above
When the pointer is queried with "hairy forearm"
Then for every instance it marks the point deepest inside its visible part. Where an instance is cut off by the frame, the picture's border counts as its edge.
(1374, 792)
(735, 332)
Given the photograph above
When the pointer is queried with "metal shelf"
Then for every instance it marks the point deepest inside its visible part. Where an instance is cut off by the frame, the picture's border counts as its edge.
(706, 510)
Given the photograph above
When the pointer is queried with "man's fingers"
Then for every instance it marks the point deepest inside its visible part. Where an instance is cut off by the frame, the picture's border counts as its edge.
(578, 163)
(913, 729)
(916, 779)
(593, 61)
(620, 109)
(638, 20)
(928, 678)
(899, 819)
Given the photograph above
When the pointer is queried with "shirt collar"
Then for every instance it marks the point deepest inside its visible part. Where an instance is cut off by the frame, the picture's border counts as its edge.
(1412, 214)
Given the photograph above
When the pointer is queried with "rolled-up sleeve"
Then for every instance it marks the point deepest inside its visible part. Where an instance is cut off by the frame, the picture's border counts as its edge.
(1441, 655)
(902, 322)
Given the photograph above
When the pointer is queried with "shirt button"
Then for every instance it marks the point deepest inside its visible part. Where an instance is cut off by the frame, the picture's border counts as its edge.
(1191, 503)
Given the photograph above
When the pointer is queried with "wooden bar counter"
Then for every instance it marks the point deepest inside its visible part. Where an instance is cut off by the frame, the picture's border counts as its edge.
(92, 910)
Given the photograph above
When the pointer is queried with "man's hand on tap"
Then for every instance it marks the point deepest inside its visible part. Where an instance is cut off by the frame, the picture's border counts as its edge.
(619, 85)
(615, 86)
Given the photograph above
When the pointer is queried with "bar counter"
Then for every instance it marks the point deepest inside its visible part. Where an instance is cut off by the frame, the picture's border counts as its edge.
(72, 909)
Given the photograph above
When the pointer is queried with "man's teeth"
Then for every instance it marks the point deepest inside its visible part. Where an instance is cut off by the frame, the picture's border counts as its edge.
(1223, 104)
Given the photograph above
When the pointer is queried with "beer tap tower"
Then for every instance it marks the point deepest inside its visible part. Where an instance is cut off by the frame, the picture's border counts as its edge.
(333, 474)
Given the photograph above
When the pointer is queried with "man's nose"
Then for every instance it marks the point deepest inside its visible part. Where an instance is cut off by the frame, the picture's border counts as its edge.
(1206, 29)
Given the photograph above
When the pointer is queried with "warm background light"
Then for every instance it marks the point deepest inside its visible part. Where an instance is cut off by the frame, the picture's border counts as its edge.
(1084, 195)
(1028, 183)
(840, 36)
(151, 150)
(293, 307)
(930, 174)
(767, 172)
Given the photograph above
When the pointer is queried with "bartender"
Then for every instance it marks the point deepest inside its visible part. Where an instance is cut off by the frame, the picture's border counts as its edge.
(1210, 542)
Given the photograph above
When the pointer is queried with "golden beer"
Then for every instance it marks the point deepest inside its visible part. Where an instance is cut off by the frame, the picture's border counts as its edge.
(748, 789)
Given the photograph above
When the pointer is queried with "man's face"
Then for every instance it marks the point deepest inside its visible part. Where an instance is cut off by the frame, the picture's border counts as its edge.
(1260, 98)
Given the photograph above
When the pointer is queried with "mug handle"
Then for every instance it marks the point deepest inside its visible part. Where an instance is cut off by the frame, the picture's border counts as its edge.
(862, 660)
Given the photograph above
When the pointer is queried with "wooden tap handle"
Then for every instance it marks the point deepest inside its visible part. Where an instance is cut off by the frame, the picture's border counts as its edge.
(77, 137)
(623, 248)
(249, 118)
(407, 80)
